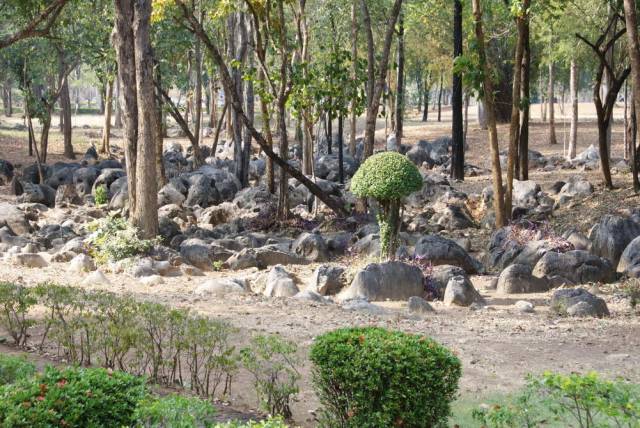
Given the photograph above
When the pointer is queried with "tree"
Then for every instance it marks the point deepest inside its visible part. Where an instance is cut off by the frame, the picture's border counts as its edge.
(135, 70)
(457, 126)
(38, 26)
(633, 47)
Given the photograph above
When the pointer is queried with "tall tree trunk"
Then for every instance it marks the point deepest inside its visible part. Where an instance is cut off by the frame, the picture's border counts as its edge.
(340, 148)
(400, 81)
(250, 111)
(159, 130)
(573, 134)
(427, 91)
(498, 191)
(551, 97)
(118, 119)
(106, 129)
(197, 114)
(213, 103)
(354, 70)
(514, 128)
(543, 102)
(375, 85)
(523, 140)
(440, 99)
(457, 125)
(65, 108)
(634, 53)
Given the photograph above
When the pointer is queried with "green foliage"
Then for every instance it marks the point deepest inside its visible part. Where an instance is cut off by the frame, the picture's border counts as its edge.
(631, 290)
(15, 301)
(386, 176)
(572, 400)
(272, 361)
(372, 377)
(13, 369)
(72, 397)
(101, 197)
(217, 265)
(113, 239)
(175, 411)
(269, 423)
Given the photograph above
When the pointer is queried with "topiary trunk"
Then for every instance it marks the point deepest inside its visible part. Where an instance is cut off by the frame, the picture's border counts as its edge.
(389, 222)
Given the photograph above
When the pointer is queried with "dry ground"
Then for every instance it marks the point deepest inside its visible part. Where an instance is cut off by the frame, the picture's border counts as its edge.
(497, 345)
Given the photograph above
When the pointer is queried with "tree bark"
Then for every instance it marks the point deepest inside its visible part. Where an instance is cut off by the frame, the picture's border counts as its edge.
(634, 54)
(440, 99)
(65, 107)
(523, 140)
(106, 129)
(573, 134)
(551, 98)
(400, 82)
(354, 59)
(498, 191)
(197, 119)
(457, 123)
(514, 128)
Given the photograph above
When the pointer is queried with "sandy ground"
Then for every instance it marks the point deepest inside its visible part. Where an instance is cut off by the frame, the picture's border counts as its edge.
(498, 346)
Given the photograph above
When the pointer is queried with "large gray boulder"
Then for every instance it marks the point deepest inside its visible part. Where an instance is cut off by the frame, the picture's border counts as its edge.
(201, 254)
(202, 192)
(385, 281)
(327, 280)
(629, 263)
(311, 246)
(576, 187)
(578, 302)
(611, 236)
(525, 193)
(442, 251)
(440, 276)
(517, 279)
(280, 283)
(574, 267)
(220, 287)
(14, 219)
(460, 292)
(262, 257)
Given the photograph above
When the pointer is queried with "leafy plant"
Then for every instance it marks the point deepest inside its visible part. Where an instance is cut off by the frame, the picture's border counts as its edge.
(175, 411)
(15, 302)
(387, 177)
(113, 239)
(631, 290)
(269, 423)
(101, 195)
(72, 397)
(14, 368)
(272, 361)
(372, 377)
(217, 265)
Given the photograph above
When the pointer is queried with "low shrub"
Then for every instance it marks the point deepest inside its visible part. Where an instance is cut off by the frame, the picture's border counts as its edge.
(13, 369)
(269, 423)
(175, 411)
(101, 195)
(272, 361)
(15, 302)
(72, 397)
(372, 377)
(576, 400)
(113, 239)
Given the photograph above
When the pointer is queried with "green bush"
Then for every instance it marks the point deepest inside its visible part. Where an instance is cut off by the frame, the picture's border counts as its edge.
(113, 239)
(72, 397)
(13, 369)
(575, 400)
(15, 302)
(269, 423)
(272, 362)
(387, 177)
(372, 377)
(101, 195)
(175, 411)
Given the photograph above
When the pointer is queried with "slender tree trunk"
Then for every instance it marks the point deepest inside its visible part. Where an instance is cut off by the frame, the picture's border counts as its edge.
(65, 108)
(213, 102)
(340, 148)
(440, 99)
(329, 133)
(523, 140)
(573, 134)
(498, 191)
(427, 91)
(159, 130)
(551, 96)
(400, 82)
(118, 119)
(354, 70)
(197, 114)
(514, 128)
(457, 125)
(106, 129)
(543, 102)
(634, 54)
(250, 111)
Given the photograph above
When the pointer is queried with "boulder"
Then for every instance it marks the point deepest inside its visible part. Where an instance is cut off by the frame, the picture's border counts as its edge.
(573, 267)
(95, 278)
(83, 179)
(611, 235)
(525, 193)
(362, 305)
(417, 305)
(280, 283)
(14, 219)
(442, 251)
(576, 187)
(218, 214)
(517, 279)
(170, 195)
(201, 254)
(67, 194)
(629, 263)
(524, 306)
(578, 302)
(81, 263)
(310, 246)
(385, 281)
(202, 192)
(310, 296)
(327, 280)
(31, 260)
(419, 156)
(439, 278)
(460, 292)
(221, 287)
(6, 172)
(261, 257)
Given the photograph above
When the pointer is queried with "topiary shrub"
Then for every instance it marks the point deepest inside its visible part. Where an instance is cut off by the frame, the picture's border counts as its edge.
(387, 177)
(72, 397)
(371, 377)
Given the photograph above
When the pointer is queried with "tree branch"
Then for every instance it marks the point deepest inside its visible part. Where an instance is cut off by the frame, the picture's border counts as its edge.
(48, 16)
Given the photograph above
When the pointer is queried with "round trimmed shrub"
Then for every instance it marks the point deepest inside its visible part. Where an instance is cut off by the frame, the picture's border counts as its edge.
(387, 177)
(72, 397)
(371, 377)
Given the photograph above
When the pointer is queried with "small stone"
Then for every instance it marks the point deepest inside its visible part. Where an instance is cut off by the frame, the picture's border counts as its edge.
(96, 278)
(31, 260)
(81, 263)
(152, 280)
(418, 305)
(524, 306)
